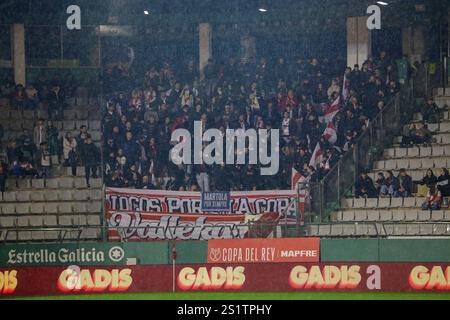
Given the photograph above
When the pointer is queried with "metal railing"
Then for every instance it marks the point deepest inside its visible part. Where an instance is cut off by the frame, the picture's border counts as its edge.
(340, 180)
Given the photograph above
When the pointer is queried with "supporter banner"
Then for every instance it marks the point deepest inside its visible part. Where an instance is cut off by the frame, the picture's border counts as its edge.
(96, 254)
(264, 250)
(143, 215)
(253, 277)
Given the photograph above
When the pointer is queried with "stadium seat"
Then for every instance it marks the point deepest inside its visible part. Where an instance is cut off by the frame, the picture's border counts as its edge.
(360, 215)
(37, 196)
(23, 221)
(425, 229)
(347, 203)
(7, 221)
(396, 202)
(79, 207)
(440, 163)
(65, 207)
(81, 195)
(96, 183)
(399, 230)
(93, 220)
(444, 126)
(94, 207)
(389, 153)
(52, 183)
(10, 196)
(371, 230)
(447, 215)
(437, 215)
(380, 165)
(384, 203)
(36, 221)
(79, 220)
(373, 215)
(90, 233)
(401, 152)
(8, 208)
(324, 230)
(413, 229)
(37, 183)
(95, 194)
(349, 230)
(51, 207)
(24, 235)
(371, 202)
(447, 150)
(336, 230)
(65, 183)
(409, 202)
(427, 163)
(66, 195)
(438, 151)
(385, 215)
(50, 221)
(445, 139)
(22, 208)
(36, 208)
(419, 202)
(359, 203)
(65, 220)
(52, 195)
(398, 215)
(415, 164)
(390, 165)
(403, 163)
(348, 215)
(433, 127)
(410, 215)
(413, 152)
(23, 196)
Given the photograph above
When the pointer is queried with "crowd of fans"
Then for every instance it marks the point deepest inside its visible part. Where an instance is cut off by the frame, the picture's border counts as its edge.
(33, 153)
(292, 97)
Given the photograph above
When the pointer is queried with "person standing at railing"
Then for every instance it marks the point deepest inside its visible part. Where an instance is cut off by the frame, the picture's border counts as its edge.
(90, 157)
(3, 176)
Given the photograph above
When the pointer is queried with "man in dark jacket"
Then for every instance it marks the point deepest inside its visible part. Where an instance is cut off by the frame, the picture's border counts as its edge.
(90, 157)
(364, 187)
(405, 184)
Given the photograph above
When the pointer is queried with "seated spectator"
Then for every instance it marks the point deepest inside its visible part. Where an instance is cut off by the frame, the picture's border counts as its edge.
(379, 182)
(390, 186)
(405, 184)
(430, 111)
(416, 134)
(433, 200)
(364, 187)
(427, 182)
(443, 183)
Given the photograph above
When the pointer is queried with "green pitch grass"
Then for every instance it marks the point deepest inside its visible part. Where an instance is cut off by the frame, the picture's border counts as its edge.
(251, 296)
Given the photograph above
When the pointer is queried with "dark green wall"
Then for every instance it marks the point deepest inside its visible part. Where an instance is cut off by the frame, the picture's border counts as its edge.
(383, 250)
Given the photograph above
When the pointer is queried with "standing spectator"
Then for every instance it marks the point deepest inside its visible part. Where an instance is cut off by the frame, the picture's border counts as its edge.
(3, 176)
(52, 139)
(45, 161)
(40, 133)
(69, 152)
(430, 111)
(90, 157)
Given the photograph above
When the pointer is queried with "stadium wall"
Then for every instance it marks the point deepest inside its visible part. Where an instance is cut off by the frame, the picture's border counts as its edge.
(196, 252)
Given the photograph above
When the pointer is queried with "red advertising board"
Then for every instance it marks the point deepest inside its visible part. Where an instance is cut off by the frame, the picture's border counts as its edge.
(252, 277)
(263, 250)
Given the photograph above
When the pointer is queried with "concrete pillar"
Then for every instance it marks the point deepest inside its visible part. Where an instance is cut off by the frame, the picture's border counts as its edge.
(248, 47)
(413, 43)
(359, 41)
(18, 52)
(205, 42)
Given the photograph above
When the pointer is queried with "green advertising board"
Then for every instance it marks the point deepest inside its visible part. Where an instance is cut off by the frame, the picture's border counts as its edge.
(83, 254)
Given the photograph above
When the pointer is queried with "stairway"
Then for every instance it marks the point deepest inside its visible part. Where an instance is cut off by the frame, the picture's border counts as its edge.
(391, 217)
(60, 208)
